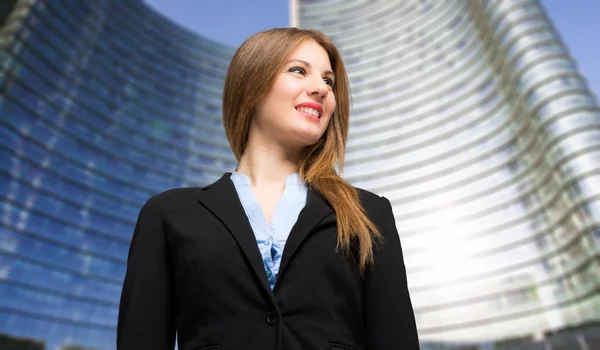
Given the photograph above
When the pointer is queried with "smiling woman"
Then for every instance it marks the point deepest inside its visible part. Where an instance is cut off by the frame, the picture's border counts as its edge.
(302, 88)
(282, 253)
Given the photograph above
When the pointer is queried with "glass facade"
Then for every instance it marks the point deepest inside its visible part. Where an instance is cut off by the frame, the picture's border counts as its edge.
(102, 104)
(472, 118)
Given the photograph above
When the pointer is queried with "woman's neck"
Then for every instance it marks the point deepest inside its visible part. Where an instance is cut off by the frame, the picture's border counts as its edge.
(267, 166)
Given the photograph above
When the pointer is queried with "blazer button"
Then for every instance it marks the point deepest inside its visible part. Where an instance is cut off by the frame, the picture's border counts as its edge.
(272, 319)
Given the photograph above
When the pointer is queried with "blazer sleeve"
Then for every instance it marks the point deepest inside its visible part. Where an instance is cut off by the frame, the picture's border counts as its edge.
(146, 313)
(389, 319)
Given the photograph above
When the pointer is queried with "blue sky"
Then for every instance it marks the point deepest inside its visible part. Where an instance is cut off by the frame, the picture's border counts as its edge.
(232, 21)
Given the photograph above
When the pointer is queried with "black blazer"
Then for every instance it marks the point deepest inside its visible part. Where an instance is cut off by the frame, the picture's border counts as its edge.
(194, 269)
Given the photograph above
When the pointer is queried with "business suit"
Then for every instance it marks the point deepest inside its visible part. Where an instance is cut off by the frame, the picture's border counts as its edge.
(194, 266)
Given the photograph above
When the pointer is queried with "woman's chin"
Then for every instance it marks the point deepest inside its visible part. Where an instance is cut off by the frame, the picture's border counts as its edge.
(308, 140)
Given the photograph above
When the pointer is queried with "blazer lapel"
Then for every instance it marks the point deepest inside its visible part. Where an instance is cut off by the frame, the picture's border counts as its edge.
(315, 211)
(222, 200)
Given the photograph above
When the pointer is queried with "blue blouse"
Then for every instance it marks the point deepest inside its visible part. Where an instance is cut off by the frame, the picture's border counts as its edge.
(271, 238)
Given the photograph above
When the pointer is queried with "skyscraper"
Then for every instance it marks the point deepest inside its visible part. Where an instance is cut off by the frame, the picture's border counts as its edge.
(471, 117)
(103, 104)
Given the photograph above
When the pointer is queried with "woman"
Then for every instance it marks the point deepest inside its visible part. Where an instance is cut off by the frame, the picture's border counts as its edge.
(209, 264)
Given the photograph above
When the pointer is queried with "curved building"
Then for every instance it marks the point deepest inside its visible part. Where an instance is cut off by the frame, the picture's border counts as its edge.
(471, 117)
(103, 104)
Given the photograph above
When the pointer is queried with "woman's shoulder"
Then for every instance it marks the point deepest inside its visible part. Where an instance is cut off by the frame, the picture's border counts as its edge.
(174, 197)
(380, 210)
(180, 196)
(370, 200)
(177, 193)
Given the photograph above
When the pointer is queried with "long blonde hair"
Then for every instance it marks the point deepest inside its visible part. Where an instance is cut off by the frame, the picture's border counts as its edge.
(249, 79)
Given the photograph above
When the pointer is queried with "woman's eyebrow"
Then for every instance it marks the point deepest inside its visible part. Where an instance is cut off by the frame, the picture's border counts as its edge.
(309, 65)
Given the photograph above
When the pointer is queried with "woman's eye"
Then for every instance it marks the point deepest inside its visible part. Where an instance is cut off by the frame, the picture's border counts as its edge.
(328, 82)
(297, 70)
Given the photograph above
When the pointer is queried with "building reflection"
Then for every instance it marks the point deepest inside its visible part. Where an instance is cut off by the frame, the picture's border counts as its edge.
(471, 117)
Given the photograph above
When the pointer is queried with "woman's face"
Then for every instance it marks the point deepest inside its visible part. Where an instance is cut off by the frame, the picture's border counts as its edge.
(297, 110)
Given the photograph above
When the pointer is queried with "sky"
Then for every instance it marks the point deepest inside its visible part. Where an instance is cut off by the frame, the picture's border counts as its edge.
(232, 21)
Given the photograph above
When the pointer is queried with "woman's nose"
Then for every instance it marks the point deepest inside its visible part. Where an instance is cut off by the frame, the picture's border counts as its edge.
(318, 87)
